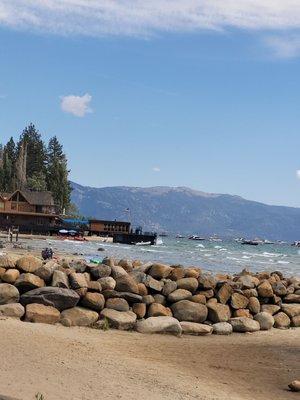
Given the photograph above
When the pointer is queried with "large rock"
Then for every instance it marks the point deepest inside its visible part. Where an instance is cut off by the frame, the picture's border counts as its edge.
(107, 283)
(126, 265)
(77, 281)
(158, 310)
(42, 314)
(178, 295)
(198, 298)
(29, 263)
(222, 328)
(10, 275)
(159, 325)
(218, 312)
(243, 325)
(192, 328)
(295, 386)
(169, 287)
(254, 305)
(159, 271)
(238, 301)
(117, 304)
(154, 284)
(160, 299)
(117, 271)
(94, 301)
(101, 271)
(207, 281)
(12, 310)
(28, 281)
(265, 289)
(190, 284)
(296, 321)
(78, 316)
(270, 308)
(51, 296)
(292, 298)
(224, 293)
(292, 310)
(242, 312)
(46, 271)
(123, 320)
(279, 289)
(139, 309)
(8, 294)
(177, 273)
(126, 284)
(7, 262)
(248, 281)
(265, 320)
(60, 279)
(282, 321)
(186, 310)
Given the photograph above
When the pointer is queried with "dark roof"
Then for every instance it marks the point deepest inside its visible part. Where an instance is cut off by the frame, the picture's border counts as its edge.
(37, 198)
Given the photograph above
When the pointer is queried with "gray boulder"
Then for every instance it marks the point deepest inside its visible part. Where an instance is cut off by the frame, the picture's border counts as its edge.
(244, 324)
(186, 310)
(265, 320)
(193, 328)
(179, 294)
(222, 328)
(159, 325)
(123, 320)
(12, 310)
(60, 279)
(51, 296)
(78, 316)
(8, 294)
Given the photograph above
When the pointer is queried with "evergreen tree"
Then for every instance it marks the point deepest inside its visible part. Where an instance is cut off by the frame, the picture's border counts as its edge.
(57, 174)
(37, 182)
(8, 166)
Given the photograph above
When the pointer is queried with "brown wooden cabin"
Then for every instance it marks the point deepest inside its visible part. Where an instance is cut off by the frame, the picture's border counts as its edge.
(108, 228)
(33, 212)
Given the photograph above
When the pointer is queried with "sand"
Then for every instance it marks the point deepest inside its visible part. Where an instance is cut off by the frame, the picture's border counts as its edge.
(82, 363)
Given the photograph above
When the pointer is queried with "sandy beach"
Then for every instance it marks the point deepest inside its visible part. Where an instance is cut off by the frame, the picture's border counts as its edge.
(84, 364)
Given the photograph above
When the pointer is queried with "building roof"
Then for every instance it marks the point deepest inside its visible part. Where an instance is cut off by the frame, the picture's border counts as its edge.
(36, 198)
(33, 214)
(109, 222)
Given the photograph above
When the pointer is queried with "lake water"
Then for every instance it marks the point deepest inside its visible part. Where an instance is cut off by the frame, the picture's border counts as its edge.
(226, 256)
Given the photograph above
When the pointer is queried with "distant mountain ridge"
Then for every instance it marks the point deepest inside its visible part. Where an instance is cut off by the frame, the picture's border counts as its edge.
(188, 211)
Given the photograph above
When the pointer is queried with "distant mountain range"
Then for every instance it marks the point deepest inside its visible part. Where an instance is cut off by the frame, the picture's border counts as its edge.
(187, 211)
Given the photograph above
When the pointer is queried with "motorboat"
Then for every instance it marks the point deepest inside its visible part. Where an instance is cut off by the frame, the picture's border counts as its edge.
(250, 242)
(195, 237)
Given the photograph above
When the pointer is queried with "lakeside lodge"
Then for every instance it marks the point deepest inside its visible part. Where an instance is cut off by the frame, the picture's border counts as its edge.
(36, 213)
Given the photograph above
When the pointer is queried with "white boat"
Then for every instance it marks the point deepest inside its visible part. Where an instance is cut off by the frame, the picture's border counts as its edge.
(143, 244)
(195, 237)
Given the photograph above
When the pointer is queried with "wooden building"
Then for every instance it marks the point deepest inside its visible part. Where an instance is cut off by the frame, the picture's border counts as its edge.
(108, 228)
(32, 212)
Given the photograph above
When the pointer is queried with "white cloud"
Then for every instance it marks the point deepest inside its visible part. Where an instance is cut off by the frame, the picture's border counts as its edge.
(76, 105)
(287, 46)
(298, 173)
(144, 17)
(156, 169)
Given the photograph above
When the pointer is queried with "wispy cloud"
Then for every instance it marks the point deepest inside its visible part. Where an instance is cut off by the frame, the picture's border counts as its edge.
(156, 169)
(76, 105)
(285, 46)
(298, 173)
(144, 17)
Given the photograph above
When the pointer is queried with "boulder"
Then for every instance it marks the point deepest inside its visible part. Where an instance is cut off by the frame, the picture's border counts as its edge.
(279, 289)
(126, 284)
(243, 325)
(149, 299)
(296, 321)
(60, 279)
(190, 284)
(158, 310)
(78, 316)
(77, 281)
(46, 271)
(265, 289)
(281, 321)
(100, 271)
(130, 297)
(270, 308)
(292, 298)
(292, 310)
(59, 298)
(224, 293)
(107, 283)
(177, 273)
(7, 262)
(78, 265)
(222, 328)
(169, 287)
(192, 328)
(248, 281)
(94, 301)
(10, 275)
(254, 305)
(238, 301)
(160, 299)
(159, 325)
(117, 271)
(218, 312)
(139, 309)
(207, 293)
(117, 304)
(186, 310)
(2, 272)
(12, 310)
(123, 320)
(250, 293)
(159, 271)
(8, 294)
(192, 272)
(29, 263)
(178, 295)
(42, 314)
(295, 386)
(154, 284)
(109, 261)
(207, 281)
(198, 298)
(265, 320)
(242, 312)
(28, 281)
(126, 265)
(143, 291)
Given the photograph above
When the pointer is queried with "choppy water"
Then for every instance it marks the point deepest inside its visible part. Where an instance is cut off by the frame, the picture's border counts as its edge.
(225, 256)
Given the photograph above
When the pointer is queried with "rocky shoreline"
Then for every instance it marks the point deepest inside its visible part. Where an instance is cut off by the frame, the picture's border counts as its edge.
(148, 298)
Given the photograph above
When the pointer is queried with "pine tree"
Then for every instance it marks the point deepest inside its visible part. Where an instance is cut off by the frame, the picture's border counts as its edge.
(8, 166)
(57, 174)
(20, 167)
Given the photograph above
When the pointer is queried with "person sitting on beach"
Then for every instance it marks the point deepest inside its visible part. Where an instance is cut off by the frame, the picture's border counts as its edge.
(47, 253)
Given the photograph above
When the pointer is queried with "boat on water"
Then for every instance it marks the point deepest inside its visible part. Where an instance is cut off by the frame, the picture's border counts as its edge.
(250, 242)
(142, 243)
(268, 242)
(296, 243)
(180, 236)
(195, 237)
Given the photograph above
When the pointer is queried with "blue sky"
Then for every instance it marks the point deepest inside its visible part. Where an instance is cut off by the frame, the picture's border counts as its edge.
(169, 93)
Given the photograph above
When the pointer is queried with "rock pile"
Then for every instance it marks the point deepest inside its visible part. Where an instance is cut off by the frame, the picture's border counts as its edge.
(150, 298)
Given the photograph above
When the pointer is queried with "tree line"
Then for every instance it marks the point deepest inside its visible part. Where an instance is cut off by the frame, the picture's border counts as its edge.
(32, 164)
